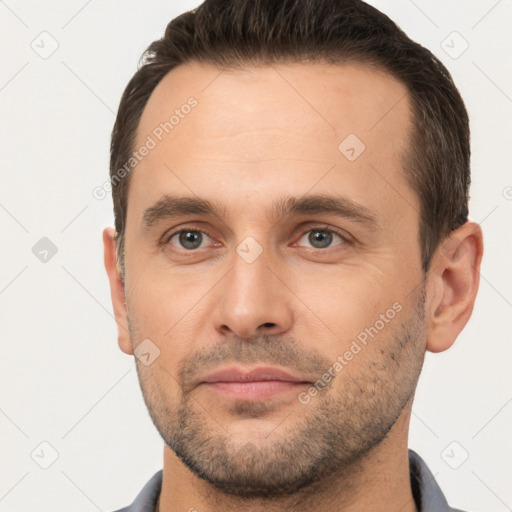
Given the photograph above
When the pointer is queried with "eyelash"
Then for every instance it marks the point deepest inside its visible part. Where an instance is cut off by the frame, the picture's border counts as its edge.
(167, 238)
(326, 229)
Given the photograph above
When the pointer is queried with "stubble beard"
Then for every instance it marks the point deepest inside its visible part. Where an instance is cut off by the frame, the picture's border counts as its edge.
(334, 434)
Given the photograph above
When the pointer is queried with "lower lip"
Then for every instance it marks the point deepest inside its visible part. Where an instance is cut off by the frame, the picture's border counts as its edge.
(254, 390)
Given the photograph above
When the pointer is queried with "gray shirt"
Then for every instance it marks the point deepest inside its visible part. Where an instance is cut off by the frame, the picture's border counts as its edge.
(426, 492)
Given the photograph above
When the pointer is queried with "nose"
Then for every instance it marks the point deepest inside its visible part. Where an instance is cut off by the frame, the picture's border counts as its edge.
(253, 301)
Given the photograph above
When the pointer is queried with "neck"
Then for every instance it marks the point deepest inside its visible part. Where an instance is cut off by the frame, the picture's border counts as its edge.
(380, 481)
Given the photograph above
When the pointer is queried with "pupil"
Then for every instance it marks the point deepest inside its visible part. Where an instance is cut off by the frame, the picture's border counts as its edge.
(191, 239)
(320, 239)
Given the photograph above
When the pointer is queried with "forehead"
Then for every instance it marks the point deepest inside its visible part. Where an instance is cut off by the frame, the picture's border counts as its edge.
(282, 125)
(305, 96)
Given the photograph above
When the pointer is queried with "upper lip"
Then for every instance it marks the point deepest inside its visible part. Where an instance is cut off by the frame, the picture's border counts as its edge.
(233, 374)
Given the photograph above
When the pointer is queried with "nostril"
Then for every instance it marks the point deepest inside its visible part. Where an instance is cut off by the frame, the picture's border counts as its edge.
(268, 324)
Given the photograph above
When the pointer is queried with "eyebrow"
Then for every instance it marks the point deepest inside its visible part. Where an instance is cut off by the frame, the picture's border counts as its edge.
(169, 207)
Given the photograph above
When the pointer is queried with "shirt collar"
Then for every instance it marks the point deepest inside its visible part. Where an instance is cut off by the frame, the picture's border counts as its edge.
(426, 491)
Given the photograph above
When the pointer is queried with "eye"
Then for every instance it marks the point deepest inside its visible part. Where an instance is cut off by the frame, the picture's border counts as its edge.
(189, 239)
(321, 238)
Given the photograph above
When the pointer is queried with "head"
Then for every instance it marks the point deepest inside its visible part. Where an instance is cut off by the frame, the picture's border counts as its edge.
(302, 203)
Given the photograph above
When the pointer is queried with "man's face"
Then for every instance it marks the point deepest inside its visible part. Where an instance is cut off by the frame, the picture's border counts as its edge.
(275, 276)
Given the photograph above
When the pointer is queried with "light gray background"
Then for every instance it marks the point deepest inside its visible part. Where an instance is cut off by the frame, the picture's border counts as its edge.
(63, 380)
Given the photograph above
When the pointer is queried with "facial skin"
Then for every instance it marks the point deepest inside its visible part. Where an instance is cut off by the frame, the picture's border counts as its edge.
(256, 138)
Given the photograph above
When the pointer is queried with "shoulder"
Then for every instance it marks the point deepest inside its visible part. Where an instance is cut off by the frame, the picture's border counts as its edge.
(146, 500)
(426, 491)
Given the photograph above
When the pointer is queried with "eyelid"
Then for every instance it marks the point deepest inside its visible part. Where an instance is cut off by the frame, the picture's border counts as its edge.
(319, 227)
(347, 239)
(166, 237)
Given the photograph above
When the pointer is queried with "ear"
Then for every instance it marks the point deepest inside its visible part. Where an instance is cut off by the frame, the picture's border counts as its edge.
(453, 285)
(117, 291)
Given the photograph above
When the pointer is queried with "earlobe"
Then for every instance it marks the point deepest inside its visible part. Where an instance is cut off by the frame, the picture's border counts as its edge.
(117, 291)
(454, 280)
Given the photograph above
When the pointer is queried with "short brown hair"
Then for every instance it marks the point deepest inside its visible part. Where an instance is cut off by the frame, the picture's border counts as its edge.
(236, 33)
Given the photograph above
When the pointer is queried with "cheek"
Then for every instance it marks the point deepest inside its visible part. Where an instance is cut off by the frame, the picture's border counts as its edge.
(158, 299)
(170, 311)
(363, 316)
(159, 384)
(347, 301)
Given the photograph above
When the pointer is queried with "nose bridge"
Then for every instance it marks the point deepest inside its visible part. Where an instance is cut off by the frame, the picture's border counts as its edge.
(252, 299)
(249, 278)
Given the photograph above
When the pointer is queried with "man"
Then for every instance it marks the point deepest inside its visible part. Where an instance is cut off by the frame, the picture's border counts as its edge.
(290, 184)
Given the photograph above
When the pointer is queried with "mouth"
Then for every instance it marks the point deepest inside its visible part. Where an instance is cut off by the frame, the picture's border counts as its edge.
(255, 385)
